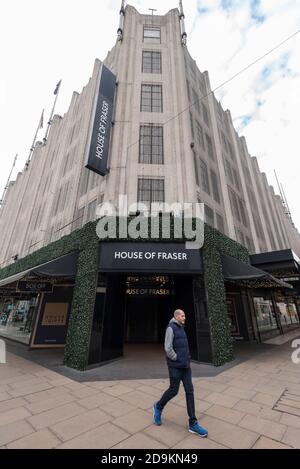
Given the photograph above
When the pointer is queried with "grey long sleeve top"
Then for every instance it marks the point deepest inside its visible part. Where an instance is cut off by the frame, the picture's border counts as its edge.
(169, 343)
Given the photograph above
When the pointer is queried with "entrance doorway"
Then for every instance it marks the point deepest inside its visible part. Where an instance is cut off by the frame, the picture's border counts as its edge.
(149, 307)
(133, 311)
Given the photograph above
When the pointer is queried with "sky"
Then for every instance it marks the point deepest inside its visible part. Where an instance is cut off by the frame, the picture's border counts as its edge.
(43, 41)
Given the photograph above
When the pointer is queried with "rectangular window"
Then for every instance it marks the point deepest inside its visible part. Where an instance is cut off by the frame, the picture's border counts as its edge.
(78, 219)
(202, 87)
(209, 146)
(215, 188)
(204, 177)
(152, 34)
(209, 215)
(196, 169)
(200, 135)
(151, 98)
(188, 90)
(91, 213)
(236, 179)
(265, 314)
(228, 170)
(84, 181)
(220, 223)
(230, 150)
(196, 101)
(243, 212)
(151, 145)
(192, 126)
(205, 114)
(234, 204)
(151, 190)
(151, 62)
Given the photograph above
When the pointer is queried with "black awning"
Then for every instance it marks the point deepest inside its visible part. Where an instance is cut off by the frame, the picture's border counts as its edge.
(65, 266)
(277, 261)
(240, 272)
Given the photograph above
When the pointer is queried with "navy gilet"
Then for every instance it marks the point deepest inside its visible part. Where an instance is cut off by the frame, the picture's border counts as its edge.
(181, 347)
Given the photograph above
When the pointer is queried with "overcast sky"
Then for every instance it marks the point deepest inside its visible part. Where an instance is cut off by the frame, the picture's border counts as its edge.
(44, 41)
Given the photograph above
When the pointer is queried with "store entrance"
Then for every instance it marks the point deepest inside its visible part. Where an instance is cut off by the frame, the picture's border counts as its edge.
(149, 307)
(133, 310)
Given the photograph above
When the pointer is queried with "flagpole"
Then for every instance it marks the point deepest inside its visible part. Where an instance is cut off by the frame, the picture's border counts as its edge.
(8, 180)
(34, 140)
(56, 92)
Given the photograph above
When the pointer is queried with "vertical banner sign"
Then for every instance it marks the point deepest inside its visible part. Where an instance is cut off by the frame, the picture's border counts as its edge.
(99, 137)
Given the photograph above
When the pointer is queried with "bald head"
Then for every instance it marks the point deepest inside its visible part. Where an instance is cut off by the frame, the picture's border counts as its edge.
(179, 316)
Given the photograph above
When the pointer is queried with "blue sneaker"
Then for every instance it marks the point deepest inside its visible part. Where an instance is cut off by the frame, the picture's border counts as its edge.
(156, 414)
(196, 428)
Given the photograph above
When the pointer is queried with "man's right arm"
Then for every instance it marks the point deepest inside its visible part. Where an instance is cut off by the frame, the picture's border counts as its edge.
(169, 344)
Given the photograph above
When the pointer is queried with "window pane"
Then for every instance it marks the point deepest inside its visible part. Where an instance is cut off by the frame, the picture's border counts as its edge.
(151, 62)
(151, 98)
(151, 34)
(204, 177)
(151, 145)
(151, 190)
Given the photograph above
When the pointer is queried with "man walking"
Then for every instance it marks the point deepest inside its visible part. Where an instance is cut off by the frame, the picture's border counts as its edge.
(178, 360)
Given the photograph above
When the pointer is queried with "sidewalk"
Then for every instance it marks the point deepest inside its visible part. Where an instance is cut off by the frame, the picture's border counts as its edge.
(40, 408)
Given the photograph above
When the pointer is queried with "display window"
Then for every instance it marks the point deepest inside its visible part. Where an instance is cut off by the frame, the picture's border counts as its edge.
(17, 318)
(265, 314)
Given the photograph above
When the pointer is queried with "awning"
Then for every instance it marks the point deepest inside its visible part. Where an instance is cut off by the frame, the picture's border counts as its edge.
(64, 266)
(240, 272)
(277, 261)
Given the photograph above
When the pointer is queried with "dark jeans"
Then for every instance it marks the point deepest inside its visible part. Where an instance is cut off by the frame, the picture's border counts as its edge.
(176, 375)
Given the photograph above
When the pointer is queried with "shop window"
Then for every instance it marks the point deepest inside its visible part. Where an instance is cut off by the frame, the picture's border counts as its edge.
(17, 318)
(265, 314)
(288, 312)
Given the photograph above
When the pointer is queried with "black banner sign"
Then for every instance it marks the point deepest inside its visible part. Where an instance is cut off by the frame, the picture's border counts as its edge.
(149, 257)
(99, 138)
(34, 286)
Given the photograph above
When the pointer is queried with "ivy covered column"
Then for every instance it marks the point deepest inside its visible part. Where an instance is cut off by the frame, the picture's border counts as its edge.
(81, 317)
(222, 346)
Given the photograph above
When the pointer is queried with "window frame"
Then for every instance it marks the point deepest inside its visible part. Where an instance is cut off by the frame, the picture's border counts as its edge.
(152, 61)
(148, 96)
(151, 189)
(154, 158)
(151, 39)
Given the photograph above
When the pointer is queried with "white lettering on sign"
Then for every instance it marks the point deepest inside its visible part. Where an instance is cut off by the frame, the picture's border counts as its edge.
(102, 130)
(165, 256)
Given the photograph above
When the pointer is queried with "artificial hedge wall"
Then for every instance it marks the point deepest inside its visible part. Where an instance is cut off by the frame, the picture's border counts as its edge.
(86, 242)
(216, 244)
